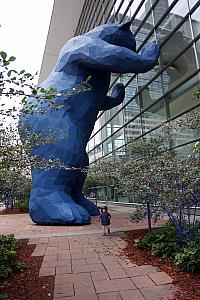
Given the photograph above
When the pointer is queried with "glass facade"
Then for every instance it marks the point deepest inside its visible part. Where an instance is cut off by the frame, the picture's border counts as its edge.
(162, 94)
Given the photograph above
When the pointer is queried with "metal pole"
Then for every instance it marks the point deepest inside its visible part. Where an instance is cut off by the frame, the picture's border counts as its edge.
(149, 217)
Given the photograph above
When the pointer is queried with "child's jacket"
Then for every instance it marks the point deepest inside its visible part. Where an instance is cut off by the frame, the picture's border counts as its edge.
(105, 218)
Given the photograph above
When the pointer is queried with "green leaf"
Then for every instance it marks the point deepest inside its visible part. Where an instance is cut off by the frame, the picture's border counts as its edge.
(6, 63)
(22, 72)
(3, 55)
(12, 58)
(42, 90)
(11, 71)
(88, 78)
(27, 75)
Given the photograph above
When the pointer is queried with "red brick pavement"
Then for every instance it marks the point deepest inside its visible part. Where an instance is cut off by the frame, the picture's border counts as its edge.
(87, 265)
(100, 275)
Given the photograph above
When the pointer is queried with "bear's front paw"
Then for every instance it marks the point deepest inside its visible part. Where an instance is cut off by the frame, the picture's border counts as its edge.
(118, 92)
(151, 50)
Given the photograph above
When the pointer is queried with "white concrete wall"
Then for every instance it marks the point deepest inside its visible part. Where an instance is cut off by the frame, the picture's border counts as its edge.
(64, 20)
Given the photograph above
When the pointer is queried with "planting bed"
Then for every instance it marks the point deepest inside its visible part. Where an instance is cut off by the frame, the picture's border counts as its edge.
(27, 285)
(188, 283)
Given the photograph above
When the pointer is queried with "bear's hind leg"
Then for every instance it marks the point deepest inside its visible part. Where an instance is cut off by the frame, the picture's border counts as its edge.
(79, 198)
(51, 201)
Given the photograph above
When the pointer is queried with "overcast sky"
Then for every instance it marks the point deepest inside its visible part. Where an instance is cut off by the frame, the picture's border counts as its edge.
(23, 31)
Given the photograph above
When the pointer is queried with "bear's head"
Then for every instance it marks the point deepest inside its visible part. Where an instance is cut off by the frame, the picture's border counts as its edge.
(115, 34)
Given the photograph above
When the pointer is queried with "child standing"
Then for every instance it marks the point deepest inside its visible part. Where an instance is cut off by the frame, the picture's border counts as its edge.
(105, 219)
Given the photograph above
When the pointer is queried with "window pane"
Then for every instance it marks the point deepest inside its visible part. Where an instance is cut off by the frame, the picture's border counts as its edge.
(133, 129)
(196, 21)
(181, 68)
(152, 92)
(132, 108)
(154, 116)
(198, 50)
(181, 98)
(192, 3)
(185, 134)
(173, 19)
(176, 43)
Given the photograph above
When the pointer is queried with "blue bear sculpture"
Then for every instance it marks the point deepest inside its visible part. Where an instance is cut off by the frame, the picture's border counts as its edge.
(56, 196)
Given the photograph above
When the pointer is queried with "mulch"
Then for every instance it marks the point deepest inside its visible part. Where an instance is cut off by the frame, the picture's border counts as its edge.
(188, 283)
(27, 285)
(12, 212)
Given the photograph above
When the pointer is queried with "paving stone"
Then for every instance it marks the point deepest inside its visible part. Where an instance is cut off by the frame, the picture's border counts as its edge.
(84, 255)
(113, 285)
(108, 258)
(142, 281)
(81, 261)
(131, 295)
(38, 253)
(63, 290)
(87, 268)
(78, 250)
(43, 240)
(32, 241)
(56, 263)
(64, 270)
(63, 246)
(47, 271)
(112, 265)
(93, 261)
(72, 278)
(161, 278)
(140, 270)
(51, 251)
(161, 292)
(65, 255)
(84, 287)
(116, 273)
(110, 296)
(81, 297)
(40, 247)
(50, 257)
(126, 264)
(99, 275)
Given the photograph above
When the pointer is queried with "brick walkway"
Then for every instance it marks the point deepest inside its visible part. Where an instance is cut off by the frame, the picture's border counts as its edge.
(87, 265)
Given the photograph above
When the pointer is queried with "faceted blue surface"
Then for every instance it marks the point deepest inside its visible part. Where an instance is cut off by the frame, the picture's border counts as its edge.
(56, 196)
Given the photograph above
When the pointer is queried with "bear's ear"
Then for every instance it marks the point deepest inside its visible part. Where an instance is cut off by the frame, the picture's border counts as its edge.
(125, 26)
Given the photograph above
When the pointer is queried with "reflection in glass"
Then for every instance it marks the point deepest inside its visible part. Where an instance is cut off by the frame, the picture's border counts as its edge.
(122, 11)
(184, 134)
(152, 92)
(181, 68)
(192, 3)
(181, 98)
(195, 17)
(171, 49)
(143, 32)
(198, 50)
(132, 108)
(173, 19)
(155, 116)
(118, 142)
(133, 129)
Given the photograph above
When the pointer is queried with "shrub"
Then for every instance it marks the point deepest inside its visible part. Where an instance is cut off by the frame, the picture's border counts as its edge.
(189, 259)
(23, 205)
(165, 242)
(8, 253)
